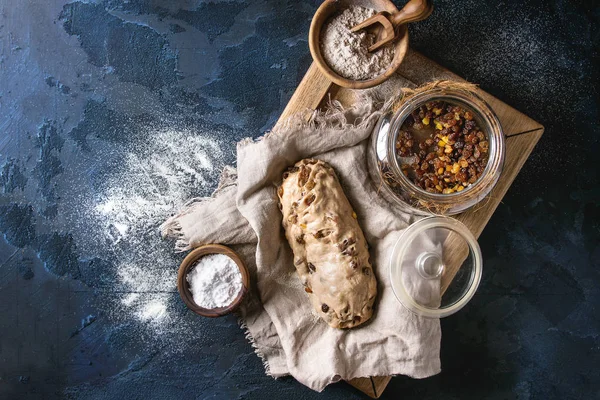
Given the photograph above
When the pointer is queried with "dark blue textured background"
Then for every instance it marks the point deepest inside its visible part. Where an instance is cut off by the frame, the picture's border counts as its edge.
(81, 81)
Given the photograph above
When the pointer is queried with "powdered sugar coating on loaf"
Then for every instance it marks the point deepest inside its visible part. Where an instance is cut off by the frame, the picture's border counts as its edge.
(330, 250)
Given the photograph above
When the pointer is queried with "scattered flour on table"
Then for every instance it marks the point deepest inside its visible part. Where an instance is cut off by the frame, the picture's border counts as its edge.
(215, 281)
(157, 177)
(347, 53)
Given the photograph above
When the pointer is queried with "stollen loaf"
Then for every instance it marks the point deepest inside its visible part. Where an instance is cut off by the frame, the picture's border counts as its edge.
(330, 251)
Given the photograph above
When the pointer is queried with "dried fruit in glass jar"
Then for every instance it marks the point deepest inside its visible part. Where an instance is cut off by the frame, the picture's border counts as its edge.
(441, 148)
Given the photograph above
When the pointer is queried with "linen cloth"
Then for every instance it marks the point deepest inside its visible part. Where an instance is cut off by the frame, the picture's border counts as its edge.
(277, 314)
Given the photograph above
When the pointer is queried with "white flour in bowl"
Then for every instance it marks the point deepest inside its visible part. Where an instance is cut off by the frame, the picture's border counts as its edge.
(215, 281)
(347, 53)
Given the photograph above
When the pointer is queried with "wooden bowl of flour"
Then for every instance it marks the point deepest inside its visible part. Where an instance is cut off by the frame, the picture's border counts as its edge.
(190, 262)
(330, 8)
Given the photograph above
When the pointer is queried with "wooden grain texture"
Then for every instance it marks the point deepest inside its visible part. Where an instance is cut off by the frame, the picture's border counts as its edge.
(309, 95)
(365, 385)
(522, 135)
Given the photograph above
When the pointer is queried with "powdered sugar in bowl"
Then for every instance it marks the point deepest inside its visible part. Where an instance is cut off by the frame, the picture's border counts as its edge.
(212, 280)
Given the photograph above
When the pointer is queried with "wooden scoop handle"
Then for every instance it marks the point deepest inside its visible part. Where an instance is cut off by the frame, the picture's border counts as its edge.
(413, 11)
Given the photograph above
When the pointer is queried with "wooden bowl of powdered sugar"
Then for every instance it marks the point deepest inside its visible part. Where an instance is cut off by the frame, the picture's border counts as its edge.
(212, 280)
(342, 56)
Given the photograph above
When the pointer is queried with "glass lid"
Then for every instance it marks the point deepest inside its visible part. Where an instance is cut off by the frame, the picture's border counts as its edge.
(435, 267)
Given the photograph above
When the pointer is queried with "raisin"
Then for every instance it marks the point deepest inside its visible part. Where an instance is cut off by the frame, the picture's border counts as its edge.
(311, 268)
(350, 251)
(309, 200)
(345, 243)
(308, 290)
(322, 233)
(324, 308)
(354, 264)
(303, 176)
(366, 271)
(300, 238)
(458, 142)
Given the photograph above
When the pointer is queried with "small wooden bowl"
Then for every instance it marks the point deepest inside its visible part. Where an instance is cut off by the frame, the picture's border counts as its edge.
(330, 7)
(184, 287)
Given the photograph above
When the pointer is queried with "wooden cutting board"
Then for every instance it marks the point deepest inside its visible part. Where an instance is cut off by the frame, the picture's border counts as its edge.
(522, 134)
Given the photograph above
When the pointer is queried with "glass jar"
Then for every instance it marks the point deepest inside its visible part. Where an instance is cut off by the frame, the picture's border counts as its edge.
(385, 167)
(435, 267)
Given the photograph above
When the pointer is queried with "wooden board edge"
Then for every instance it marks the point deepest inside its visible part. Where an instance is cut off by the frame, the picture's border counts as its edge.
(308, 96)
(372, 386)
(365, 385)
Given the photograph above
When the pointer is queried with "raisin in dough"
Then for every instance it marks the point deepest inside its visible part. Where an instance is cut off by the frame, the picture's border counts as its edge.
(330, 251)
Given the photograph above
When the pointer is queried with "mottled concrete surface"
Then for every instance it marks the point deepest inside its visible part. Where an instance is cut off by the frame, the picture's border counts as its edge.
(85, 87)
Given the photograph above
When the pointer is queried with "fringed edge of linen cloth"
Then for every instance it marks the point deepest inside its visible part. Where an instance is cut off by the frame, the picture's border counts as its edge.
(248, 336)
(369, 105)
(171, 227)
